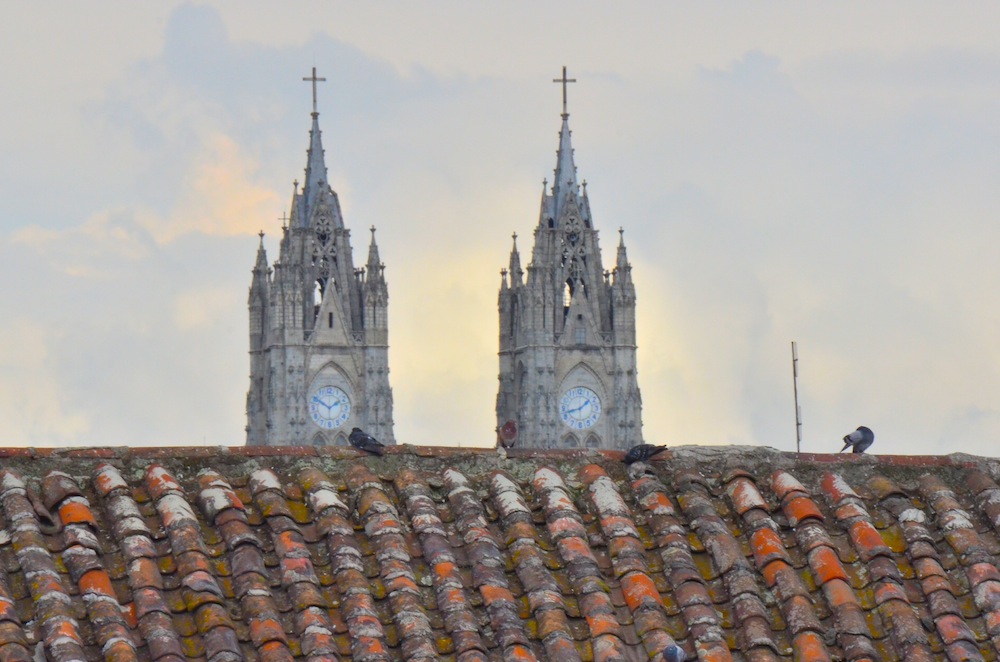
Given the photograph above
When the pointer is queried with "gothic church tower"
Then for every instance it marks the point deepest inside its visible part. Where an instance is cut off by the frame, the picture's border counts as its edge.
(567, 331)
(319, 338)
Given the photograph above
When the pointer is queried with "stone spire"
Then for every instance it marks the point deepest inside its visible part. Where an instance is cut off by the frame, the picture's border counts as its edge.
(261, 268)
(374, 266)
(565, 177)
(515, 270)
(623, 270)
(564, 184)
(315, 168)
(315, 163)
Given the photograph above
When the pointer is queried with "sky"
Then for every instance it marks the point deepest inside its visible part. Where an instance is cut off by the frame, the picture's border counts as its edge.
(825, 173)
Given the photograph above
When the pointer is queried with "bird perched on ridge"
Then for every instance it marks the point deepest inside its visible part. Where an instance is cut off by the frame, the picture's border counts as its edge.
(674, 653)
(643, 452)
(859, 440)
(365, 442)
(507, 435)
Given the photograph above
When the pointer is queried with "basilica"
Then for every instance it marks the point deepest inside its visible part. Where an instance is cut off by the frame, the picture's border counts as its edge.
(319, 332)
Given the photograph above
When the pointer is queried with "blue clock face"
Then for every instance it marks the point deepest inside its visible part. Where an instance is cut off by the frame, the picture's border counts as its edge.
(329, 407)
(580, 408)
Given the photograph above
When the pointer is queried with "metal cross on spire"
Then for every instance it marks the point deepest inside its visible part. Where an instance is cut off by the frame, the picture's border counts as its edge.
(564, 80)
(315, 80)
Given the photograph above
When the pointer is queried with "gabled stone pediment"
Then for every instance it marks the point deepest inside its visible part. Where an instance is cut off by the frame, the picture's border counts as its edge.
(331, 326)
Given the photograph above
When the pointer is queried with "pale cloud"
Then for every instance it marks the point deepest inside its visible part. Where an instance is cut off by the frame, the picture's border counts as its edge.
(219, 196)
(36, 407)
(89, 250)
(200, 309)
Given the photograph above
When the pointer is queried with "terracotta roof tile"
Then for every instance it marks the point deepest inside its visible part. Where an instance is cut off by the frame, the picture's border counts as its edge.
(383, 526)
(702, 620)
(628, 559)
(488, 564)
(565, 527)
(774, 562)
(459, 617)
(755, 635)
(907, 632)
(52, 606)
(468, 556)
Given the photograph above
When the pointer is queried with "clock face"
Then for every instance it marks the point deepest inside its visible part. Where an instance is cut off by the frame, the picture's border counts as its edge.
(580, 408)
(329, 407)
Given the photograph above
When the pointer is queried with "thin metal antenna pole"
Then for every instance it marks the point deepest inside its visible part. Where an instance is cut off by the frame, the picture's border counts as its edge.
(795, 386)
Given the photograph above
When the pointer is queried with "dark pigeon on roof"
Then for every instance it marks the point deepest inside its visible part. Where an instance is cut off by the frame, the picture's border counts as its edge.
(859, 440)
(674, 653)
(643, 452)
(365, 442)
(507, 434)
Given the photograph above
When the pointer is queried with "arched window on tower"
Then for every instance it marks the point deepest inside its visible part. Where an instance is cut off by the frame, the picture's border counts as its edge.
(593, 441)
(570, 441)
(567, 294)
(319, 440)
(341, 440)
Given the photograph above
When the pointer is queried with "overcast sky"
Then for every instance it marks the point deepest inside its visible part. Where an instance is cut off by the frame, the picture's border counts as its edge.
(820, 172)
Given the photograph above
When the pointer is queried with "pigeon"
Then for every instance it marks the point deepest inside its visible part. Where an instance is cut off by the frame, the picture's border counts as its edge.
(507, 435)
(642, 452)
(860, 440)
(674, 653)
(365, 442)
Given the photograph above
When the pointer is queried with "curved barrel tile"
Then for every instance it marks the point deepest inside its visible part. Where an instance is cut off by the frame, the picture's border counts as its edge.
(775, 565)
(907, 633)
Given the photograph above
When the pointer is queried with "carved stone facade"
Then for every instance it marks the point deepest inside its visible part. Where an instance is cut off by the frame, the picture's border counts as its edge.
(319, 338)
(567, 331)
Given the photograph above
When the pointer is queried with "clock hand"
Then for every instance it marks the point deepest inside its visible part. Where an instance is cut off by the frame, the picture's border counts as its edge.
(585, 403)
(320, 402)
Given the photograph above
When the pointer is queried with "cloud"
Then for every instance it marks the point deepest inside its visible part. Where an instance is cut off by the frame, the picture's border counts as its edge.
(219, 196)
(103, 241)
(35, 405)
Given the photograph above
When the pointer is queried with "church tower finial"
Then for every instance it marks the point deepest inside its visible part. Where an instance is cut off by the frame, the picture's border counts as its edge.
(314, 79)
(563, 80)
